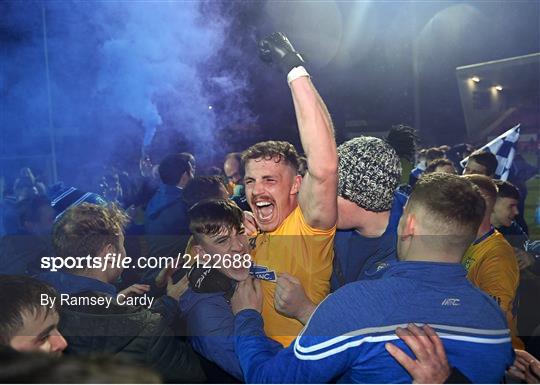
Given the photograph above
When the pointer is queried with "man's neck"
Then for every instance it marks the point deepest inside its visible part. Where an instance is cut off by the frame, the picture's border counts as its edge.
(419, 253)
(495, 223)
(431, 258)
(485, 226)
(373, 224)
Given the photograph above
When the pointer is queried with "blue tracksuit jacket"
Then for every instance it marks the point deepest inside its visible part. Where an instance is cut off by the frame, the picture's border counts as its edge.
(210, 326)
(344, 339)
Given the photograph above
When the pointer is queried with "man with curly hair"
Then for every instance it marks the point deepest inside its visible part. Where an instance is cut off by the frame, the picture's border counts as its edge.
(296, 215)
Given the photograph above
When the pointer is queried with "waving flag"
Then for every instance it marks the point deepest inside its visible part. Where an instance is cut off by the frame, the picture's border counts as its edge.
(504, 148)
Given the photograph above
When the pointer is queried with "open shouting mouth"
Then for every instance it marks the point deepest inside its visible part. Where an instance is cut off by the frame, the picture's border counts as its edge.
(264, 210)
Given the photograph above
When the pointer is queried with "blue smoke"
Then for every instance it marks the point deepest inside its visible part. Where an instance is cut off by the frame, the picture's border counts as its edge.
(119, 73)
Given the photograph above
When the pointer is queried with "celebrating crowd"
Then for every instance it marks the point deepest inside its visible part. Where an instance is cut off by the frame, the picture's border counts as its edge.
(281, 268)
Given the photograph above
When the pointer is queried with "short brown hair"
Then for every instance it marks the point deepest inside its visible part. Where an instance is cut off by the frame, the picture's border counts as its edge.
(302, 165)
(21, 295)
(506, 189)
(87, 228)
(488, 189)
(203, 187)
(434, 153)
(234, 155)
(486, 159)
(453, 208)
(432, 166)
(211, 216)
(273, 149)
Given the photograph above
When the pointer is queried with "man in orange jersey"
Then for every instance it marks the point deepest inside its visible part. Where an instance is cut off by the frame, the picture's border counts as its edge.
(491, 262)
(296, 215)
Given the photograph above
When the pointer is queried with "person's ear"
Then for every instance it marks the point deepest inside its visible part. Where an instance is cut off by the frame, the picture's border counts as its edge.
(198, 250)
(201, 254)
(297, 182)
(409, 226)
(109, 249)
(183, 179)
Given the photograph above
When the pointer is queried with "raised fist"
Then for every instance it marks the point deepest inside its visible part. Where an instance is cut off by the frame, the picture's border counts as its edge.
(291, 300)
(276, 48)
(248, 295)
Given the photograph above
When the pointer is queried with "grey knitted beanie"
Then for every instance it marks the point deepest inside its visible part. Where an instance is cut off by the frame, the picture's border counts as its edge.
(369, 173)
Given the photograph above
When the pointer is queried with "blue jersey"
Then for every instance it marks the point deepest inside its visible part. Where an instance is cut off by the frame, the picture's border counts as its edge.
(357, 257)
(345, 337)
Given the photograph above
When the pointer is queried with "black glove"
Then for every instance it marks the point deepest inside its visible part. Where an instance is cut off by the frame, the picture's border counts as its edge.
(276, 48)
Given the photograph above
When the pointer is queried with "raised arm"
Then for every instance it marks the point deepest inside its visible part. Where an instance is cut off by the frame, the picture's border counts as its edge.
(318, 194)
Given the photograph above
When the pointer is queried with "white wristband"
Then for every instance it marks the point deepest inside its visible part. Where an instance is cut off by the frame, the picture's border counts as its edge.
(296, 73)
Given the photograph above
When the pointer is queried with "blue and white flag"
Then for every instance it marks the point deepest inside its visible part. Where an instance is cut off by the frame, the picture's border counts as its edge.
(504, 148)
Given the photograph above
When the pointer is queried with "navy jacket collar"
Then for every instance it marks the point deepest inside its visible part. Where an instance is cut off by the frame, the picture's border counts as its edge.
(427, 271)
(170, 190)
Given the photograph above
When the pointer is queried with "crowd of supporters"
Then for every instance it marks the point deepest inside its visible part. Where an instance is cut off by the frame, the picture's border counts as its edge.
(279, 267)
